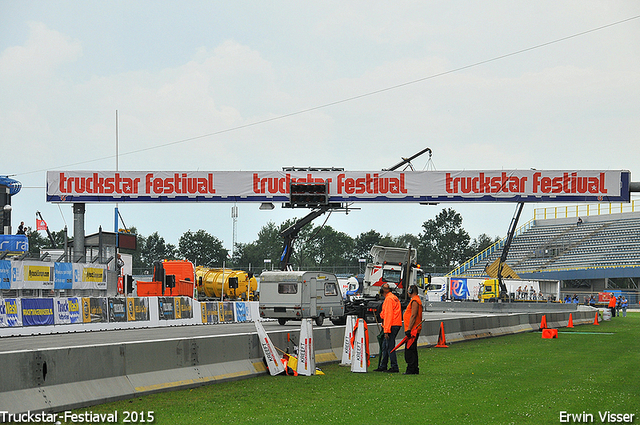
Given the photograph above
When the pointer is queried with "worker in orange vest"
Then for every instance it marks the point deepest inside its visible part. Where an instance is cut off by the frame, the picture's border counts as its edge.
(391, 323)
(612, 305)
(412, 328)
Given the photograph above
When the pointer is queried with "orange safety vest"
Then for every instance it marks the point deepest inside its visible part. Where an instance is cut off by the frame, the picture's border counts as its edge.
(391, 312)
(407, 315)
(612, 301)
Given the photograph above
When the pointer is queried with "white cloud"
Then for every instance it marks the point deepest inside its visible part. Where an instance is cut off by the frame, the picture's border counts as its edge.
(44, 51)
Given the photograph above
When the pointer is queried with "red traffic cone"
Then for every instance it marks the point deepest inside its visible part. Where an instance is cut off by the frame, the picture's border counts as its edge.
(570, 325)
(442, 341)
(543, 323)
(595, 322)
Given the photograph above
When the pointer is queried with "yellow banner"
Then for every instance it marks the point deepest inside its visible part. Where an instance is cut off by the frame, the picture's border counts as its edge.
(37, 273)
(92, 274)
(131, 312)
(86, 310)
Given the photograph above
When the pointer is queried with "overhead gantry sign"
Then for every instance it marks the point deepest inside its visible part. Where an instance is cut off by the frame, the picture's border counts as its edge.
(342, 186)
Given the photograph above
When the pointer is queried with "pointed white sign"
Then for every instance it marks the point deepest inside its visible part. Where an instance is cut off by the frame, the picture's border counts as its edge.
(306, 351)
(359, 356)
(273, 359)
(348, 334)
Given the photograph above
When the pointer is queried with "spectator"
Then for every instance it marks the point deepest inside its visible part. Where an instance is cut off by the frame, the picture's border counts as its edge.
(592, 301)
(22, 230)
(579, 221)
(624, 304)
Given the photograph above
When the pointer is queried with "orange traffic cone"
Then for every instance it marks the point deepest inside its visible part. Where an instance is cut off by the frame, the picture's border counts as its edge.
(570, 325)
(543, 323)
(595, 322)
(442, 341)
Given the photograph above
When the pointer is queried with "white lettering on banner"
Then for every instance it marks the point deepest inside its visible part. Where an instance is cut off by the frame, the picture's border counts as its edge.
(407, 186)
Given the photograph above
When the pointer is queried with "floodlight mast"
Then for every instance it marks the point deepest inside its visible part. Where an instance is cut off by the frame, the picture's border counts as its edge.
(291, 233)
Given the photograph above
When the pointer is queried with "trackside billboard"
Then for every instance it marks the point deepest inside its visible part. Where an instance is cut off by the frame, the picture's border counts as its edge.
(344, 186)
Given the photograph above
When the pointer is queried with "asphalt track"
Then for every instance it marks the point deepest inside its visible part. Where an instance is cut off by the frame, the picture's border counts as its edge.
(109, 337)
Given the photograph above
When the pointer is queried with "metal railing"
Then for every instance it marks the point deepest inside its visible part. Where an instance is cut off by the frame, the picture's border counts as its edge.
(584, 210)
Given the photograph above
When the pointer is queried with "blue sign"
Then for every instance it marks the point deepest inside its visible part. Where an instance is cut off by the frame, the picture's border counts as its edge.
(14, 243)
(75, 315)
(63, 275)
(5, 274)
(241, 312)
(11, 305)
(37, 311)
(459, 289)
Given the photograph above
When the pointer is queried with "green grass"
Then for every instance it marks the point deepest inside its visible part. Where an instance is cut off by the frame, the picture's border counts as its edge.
(516, 379)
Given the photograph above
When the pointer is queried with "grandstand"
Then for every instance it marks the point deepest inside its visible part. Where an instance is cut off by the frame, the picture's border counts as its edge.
(601, 252)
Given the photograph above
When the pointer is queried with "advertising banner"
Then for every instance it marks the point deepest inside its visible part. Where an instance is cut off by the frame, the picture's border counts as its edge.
(344, 186)
(459, 289)
(117, 310)
(12, 311)
(89, 277)
(183, 308)
(5, 274)
(3, 314)
(63, 275)
(31, 275)
(14, 243)
(225, 310)
(137, 309)
(61, 311)
(95, 310)
(75, 313)
(209, 312)
(37, 311)
(242, 312)
(166, 308)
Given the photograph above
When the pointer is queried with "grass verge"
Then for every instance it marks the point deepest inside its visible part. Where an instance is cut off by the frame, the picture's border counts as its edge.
(516, 379)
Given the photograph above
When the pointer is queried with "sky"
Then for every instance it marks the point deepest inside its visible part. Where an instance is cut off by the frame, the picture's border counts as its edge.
(243, 86)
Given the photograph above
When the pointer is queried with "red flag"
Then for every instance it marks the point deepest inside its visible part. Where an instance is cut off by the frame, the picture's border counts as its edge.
(41, 225)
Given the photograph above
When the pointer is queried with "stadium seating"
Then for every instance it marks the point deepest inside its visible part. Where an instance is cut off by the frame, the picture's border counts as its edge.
(611, 240)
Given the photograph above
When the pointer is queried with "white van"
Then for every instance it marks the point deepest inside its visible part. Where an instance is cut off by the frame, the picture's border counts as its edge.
(289, 295)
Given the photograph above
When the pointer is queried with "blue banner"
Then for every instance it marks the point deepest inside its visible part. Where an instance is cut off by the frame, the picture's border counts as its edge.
(241, 312)
(63, 275)
(459, 289)
(5, 274)
(75, 316)
(37, 311)
(11, 306)
(14, 243)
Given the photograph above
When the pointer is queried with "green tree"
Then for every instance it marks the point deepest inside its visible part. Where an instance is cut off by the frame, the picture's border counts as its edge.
(444, 244)
(363, 243)
(153, 248)
(324, 247)
(202, 248)
(481, 243)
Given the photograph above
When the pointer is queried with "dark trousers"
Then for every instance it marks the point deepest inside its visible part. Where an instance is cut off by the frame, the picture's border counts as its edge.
(613, 311)
(411, 357)
(389, 344)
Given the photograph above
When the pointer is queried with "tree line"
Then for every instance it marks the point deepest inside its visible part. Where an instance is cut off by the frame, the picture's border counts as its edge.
(442, 244)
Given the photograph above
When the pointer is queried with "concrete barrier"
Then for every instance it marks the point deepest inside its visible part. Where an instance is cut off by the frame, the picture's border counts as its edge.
(59, 379)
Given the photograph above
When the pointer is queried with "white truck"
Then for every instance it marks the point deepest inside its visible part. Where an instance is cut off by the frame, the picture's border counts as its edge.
(471, 289)
(297, 295)
(392, 265)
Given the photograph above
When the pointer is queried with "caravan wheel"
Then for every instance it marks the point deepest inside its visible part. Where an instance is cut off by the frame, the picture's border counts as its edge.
(282, 322)
(320, 320)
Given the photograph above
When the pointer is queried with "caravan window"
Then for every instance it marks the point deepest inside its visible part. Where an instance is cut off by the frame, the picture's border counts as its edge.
(330, 289)
(287, 288)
